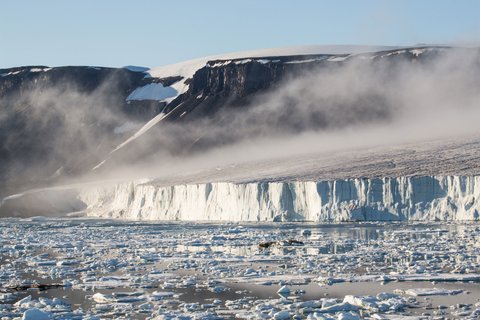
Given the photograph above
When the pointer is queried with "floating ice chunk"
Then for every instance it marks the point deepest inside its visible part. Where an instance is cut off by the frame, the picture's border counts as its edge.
(238, 229)
(6, 297)
(160, 295)
(68, 262)
(20, 302)
(44, 263)
(219, 289)
(102, 298)
(367, 302)
(396, 317)
(250, 272)
(284, 290)
(46, 301)
(328, 302)
(418, 292)
(348, 316)
(106, 282)
(145, 307)
(121, 297)
(67, 283)
(282, 315)
(344, 306)
(442, 277)
(386, 296)
(309, 304)
(189, 307)
(36, 314)
(189, 282)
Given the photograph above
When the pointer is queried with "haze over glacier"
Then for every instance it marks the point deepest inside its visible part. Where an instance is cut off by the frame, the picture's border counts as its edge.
(319, 133)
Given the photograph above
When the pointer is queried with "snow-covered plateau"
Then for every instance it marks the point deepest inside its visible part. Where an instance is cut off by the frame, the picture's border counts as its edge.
(427, 198)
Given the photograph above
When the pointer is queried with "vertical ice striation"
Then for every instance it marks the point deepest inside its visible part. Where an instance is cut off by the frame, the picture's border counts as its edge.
(360, 199)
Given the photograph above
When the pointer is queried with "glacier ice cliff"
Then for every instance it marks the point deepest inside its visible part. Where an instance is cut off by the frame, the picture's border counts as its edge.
(427, 198)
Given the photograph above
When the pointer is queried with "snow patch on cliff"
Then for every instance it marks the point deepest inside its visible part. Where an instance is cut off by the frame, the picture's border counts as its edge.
(153, 91)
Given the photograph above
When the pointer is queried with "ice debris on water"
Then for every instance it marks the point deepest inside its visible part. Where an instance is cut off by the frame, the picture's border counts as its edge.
(117, 269)
(36, 314)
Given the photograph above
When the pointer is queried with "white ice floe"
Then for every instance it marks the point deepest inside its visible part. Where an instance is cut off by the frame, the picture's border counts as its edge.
(440, 277)
(284, 290)
(119, 297)
(120, 266)
(161, 295)
(419, 292)
(36, 314)
(339, 307)
(282, 315)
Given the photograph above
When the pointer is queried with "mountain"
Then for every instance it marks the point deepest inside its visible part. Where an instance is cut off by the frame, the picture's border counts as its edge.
(61, 123)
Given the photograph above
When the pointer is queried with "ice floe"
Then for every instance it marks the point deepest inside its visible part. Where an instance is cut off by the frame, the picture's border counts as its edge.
(91, 269)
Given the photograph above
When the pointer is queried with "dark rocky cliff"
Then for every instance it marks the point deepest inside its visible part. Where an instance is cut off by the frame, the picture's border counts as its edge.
(230, 83)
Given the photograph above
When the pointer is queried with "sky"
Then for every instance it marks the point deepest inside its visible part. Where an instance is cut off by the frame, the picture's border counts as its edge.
(153, 33)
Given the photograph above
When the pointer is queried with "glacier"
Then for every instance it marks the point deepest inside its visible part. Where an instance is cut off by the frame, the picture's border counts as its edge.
(408, 198)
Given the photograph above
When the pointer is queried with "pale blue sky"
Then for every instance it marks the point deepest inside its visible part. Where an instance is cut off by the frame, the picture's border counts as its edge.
(153, 33)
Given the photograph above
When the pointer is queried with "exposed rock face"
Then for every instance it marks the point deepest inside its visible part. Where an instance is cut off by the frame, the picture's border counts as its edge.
(224, 83)
(222, 89)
